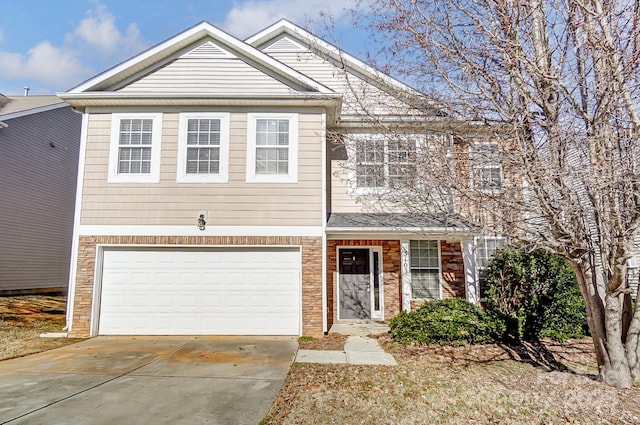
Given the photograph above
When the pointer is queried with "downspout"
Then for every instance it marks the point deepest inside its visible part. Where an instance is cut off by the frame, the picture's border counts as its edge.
(75, 241)
(470, 275)
(324, 223)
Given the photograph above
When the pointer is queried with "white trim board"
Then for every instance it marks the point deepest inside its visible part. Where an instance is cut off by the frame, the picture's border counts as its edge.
(32, 111)
(142, 230)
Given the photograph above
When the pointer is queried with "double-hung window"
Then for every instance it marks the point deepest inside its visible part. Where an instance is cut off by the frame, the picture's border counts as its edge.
(425, 269)
(484, 250)
(203, 148)
(486, 167)
(383, 162)
(272, 148)
(134, 154)
(370, 164)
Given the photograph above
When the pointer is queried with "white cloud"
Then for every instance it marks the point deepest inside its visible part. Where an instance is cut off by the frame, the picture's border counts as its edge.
(59, 67)
(246, 19)
(99, 30)
(46, 63)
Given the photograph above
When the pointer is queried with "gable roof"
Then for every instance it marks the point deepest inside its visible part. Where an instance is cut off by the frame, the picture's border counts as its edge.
(19, 106)
(160, 54)
(271, 38)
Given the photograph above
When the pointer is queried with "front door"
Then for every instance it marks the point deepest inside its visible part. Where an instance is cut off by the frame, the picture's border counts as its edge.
(355, 284)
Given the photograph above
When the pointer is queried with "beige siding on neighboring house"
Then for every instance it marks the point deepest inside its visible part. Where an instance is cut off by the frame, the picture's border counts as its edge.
(360, 96)
(235, 203)
(207, 75)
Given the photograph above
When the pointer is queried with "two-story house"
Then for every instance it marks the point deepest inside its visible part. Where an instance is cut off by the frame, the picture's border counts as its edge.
(216, 193)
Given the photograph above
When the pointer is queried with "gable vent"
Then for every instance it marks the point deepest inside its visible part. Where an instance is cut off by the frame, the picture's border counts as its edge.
(285, 44)
(208, 50)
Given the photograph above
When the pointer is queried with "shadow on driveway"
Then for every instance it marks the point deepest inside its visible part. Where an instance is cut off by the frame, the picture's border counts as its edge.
(147, 380)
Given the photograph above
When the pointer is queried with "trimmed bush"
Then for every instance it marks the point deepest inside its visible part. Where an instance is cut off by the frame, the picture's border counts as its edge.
(538, 290)
(447, 322)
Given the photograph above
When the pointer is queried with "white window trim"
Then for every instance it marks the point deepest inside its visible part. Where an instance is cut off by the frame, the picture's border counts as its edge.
(488, 164)
(156, 140)
(223, 174)
(476, 244)
(292, 176)
(354, 189)
(439, 271)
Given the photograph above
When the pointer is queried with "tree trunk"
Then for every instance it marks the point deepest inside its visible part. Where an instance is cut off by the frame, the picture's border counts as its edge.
(633, 341)
(616, 371)
(605, 323)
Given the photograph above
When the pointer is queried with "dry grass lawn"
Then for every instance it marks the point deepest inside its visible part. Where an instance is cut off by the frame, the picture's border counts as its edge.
(490, 384)
(23, 318)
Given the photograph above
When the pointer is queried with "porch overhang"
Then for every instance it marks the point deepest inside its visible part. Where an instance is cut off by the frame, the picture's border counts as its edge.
(395, 226)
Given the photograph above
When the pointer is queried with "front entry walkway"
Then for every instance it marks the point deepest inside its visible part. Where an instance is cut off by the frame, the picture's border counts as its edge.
(359, 329)
(358, 349)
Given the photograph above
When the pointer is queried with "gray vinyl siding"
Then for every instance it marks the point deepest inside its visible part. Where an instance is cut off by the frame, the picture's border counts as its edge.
(38, 184)
(236, 203)
(207, 75)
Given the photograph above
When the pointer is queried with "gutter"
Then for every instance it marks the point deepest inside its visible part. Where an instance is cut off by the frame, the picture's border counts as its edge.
(407, 230)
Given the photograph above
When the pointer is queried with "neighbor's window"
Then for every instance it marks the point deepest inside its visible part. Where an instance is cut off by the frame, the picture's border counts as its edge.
(425, 269)
(485, 248)
(135, 148)
(203, 148)
(382, 162)
(272, 148)
(486, 167)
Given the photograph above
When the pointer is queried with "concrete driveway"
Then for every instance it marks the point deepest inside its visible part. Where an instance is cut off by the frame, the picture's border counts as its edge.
(147, 380)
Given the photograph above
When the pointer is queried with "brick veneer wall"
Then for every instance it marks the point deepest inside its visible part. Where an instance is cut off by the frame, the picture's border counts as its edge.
(311, 271)
(453, 284)
(390, 275)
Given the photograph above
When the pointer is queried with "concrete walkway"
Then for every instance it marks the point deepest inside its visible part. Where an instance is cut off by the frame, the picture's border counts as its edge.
(358, 350)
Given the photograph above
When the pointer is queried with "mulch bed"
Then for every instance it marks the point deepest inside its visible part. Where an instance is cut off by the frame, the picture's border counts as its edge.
(330, 342)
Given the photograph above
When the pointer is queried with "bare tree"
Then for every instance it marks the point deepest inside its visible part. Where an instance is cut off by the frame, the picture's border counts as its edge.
(556, 81)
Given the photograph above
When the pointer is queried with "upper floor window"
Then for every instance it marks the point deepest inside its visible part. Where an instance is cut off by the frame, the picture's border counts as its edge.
(203, 148)
(485, 249)
(272, 148)
(425, 269)
(383, 162)
(134, 154)
(486, 167)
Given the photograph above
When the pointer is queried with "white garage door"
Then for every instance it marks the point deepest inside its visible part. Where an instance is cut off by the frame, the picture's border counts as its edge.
(203, 292)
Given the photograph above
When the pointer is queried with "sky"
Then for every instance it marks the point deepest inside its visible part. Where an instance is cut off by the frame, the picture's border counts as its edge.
(53, 45)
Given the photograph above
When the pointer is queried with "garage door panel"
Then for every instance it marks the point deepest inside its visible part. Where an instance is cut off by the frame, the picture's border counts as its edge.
(163, 292)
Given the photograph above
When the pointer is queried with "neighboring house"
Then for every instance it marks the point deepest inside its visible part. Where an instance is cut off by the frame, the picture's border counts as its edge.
(214, 201)
(39, 145)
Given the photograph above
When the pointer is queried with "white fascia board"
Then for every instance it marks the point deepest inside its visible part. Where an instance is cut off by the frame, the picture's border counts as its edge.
(189, 98)
(191, 35)
(331, 101)
(33, 111)
(284, 26)
(153, 230)
(400, 231)
(457, 125)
